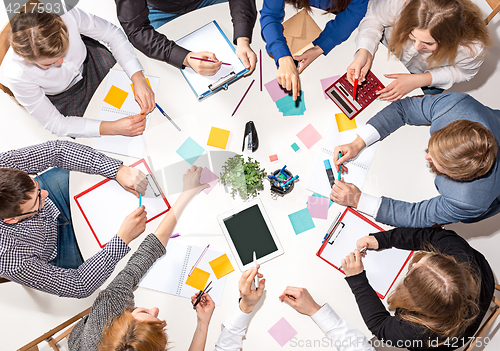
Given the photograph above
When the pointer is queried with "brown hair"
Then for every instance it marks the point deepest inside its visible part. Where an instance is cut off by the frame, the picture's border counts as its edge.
(441, 294)
(15, 189)
(466, 150)
(39, 35)
(125, 333)
(336, 6)
(450, 22)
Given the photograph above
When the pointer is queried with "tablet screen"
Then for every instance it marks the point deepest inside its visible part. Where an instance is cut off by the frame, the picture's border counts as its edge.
(249, 233)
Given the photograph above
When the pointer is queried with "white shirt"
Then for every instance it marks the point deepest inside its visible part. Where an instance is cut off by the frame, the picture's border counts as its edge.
(342, 334)
(30, 82)
(379, 21)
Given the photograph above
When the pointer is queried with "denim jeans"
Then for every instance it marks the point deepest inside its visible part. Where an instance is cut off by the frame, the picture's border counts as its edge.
(56, 182)
(158, 18)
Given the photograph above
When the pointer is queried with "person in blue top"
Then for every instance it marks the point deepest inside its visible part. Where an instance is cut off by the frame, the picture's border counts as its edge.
(348, 14)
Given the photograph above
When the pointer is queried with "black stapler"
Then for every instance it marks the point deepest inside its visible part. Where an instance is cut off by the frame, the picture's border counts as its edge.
(253, 140)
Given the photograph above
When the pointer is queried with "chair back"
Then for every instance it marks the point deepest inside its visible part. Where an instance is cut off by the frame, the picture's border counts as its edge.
(495, 7)
(4, 47)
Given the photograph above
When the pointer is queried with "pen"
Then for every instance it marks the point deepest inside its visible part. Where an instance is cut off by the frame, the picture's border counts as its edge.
(246, 92)
(140, 200)
(256, 279)
(281, 171)
(168, 117)
(174, 236)
(289, 181)
(207, 60)
(200, 294)
(331, 227)
(199, 259)
(360, 251)
(260, 59)
(355, 87)
(276, 178)
(340, 166)
(329, 172)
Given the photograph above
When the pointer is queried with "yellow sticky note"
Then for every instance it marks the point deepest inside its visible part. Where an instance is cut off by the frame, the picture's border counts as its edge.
(116, 97)
(344, 123)
(221, 266)
(132, 85)
(198, 279)
(218, 137)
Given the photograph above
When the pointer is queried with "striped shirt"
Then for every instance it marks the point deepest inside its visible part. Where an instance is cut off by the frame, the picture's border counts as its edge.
(27, 247)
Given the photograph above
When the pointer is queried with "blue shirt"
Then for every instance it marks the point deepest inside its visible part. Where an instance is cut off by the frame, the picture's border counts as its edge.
(336, 31)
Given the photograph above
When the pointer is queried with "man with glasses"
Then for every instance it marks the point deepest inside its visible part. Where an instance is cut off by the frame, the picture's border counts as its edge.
(38, 247)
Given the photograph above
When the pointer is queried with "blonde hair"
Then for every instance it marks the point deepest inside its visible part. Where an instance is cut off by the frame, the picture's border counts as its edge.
(441, 294)
(39, 35)
(125, 333)
(465, 150)
(450, 22)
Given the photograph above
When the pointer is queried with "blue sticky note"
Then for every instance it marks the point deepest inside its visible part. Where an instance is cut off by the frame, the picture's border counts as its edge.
(301, 221)
(288, 107)
(190, 150)
(295, 147)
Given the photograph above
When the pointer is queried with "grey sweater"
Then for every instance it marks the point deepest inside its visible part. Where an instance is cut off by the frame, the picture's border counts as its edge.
(113, 300)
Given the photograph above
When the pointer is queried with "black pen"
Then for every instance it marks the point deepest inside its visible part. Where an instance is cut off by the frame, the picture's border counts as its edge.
(168, 117)
(200, 294)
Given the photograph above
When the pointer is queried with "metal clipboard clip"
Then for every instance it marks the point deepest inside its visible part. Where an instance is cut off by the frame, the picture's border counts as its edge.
(153, 184)
(223, 82)
(336, 232)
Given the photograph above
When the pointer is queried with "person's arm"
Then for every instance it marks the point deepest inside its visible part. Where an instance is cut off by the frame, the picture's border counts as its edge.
(271, 15)
(204, 310)
(243, 16)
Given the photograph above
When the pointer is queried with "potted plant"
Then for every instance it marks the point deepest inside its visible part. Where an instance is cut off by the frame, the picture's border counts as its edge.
(244, 178)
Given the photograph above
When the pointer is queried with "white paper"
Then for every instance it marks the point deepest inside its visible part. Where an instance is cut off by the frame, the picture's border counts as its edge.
(382, 267)
(170, 272)
(209, 38)
(119, 144)
(107, 206)
(358, 167)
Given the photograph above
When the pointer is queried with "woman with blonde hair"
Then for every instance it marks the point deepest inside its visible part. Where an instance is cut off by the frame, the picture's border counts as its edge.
(441, 301)
(441, 42)
(55, 64)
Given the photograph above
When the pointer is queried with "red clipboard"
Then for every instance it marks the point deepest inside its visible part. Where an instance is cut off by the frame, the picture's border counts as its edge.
(356, 219)
(79, 202)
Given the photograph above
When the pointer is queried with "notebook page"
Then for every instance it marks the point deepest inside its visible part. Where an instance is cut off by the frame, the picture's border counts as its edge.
(381, 267)
(119, 144)
(107, 206)
(209, 38)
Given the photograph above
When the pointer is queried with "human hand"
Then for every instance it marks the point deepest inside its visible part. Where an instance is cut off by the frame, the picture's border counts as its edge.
(133, 225)
(403, 83)
(203, 68)
(360, 66)
(143, 93)
(191, 181)
(352, 264)
(369, 241)
(204, 308)
(308, 57)
(345, 194)
(246, 54)
(300, 300)
(348, 151)
(127, 126)
(132, 179)
(249, 297)
(288, 76)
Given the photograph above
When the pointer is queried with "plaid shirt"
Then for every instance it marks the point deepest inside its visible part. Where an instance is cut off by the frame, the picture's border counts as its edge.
(27, 247)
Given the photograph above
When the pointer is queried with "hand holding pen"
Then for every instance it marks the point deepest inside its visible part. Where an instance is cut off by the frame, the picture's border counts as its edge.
(203, 67)
(352, 264)
(204, 306)
(347, 152)
(250, 297)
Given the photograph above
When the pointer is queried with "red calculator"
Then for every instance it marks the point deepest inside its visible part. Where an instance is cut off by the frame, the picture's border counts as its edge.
(341, 94)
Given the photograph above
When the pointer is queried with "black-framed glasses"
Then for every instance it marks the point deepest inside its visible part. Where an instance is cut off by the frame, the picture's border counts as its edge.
(39, 200)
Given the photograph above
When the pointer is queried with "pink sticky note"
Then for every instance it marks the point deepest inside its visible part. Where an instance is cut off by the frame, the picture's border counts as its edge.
(275, 90)
(318, 207)
(208, 177)
(327, 82)
(273, 158)
(282, 332)
(309, 136)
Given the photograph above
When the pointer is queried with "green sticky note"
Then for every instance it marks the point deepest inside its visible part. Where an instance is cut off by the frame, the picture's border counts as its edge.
(301, 221)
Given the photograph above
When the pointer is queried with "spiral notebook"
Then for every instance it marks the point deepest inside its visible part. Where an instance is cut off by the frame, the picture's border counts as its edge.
(358, 167)
(170, 272)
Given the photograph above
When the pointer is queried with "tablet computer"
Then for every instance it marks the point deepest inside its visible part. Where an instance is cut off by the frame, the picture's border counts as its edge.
(247, 228)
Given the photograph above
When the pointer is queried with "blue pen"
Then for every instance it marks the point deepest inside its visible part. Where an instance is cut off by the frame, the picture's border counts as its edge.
(331, 227)
(168, 117)
(340, 155)
(281, 171)
(291, 180)
(140, 200)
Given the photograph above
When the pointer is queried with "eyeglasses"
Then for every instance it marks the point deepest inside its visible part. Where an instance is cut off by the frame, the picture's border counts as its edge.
(39, 200)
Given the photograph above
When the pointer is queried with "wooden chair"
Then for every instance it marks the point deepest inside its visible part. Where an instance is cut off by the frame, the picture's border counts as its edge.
(63, 330)
(495, 7)
(495, 312)
(4, 47)
(3, 280)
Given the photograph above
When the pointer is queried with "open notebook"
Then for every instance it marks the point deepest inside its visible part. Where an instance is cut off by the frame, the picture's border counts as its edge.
(358, 167)
(211, 38)
(170, 272)
(382, 267)
(119, 144)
